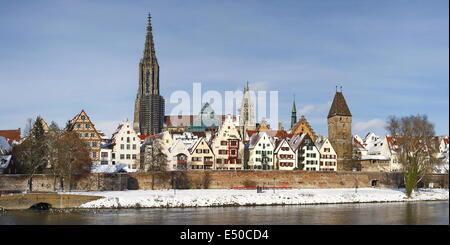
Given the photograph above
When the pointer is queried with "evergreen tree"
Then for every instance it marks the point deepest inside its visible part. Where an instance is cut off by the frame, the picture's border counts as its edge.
(54, 126)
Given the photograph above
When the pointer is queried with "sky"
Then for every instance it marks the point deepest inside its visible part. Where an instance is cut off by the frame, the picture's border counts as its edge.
(390, 57)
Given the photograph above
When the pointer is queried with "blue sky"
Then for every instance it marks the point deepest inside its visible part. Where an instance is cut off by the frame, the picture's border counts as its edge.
(391, 57)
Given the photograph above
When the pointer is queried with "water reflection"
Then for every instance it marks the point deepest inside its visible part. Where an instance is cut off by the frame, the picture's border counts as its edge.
(360, 214)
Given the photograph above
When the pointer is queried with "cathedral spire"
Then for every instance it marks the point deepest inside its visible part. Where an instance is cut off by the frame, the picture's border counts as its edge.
(149, 105)
(149, 49)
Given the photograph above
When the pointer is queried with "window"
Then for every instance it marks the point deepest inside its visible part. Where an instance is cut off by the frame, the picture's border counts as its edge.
(122, 156)
(258, 152)
(128, 146)
(205, 151)
(83, 117)
(309, 148)
(223, 143)
(198, 150)
(104, 154)
(92, 135)
(94, 154)
(128, 132)
(114, 156)
(88, 125)
(128, 139)
(134, 156)
(134, 146)
(219, 161)
(128, 156)
(78, 125)
(86, 134)
(122, 146)
(233, 143)
(94, 144)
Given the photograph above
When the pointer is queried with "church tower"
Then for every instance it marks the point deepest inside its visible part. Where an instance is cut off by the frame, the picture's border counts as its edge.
(340, 131)
(149, 105)
(293, 115)
(247, 117)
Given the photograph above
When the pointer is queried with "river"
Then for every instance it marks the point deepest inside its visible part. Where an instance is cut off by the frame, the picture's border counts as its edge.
(411, 213)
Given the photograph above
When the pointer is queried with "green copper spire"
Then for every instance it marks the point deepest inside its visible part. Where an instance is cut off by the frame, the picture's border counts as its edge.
(293, 114)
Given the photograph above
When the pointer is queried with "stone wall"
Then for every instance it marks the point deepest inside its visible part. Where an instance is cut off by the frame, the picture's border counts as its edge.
(47, 183)
(218, 180)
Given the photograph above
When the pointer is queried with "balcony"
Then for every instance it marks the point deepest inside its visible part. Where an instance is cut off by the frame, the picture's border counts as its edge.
(209, 163)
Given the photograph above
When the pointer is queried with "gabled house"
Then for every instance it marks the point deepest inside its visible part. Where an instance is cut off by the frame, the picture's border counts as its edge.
(201, 155)
(260, 152)
(126, 146)
(178, 157)
(308, 156)
(228, 147)
(303, 126)
(82, 125)
(358, 148)
(285, 155)
(328, 156)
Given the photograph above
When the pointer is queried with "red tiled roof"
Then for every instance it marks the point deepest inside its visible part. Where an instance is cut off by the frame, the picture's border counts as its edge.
(357, 143)
(272, 133)
(143, 137)
(11, 135)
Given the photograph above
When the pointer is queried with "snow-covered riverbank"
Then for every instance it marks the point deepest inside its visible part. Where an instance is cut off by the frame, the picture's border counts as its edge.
(216, 198)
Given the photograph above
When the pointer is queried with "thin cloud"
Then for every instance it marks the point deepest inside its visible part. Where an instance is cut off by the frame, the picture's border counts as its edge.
(371, 125)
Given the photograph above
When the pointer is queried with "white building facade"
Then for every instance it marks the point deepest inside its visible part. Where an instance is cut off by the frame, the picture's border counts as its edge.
(126, 146)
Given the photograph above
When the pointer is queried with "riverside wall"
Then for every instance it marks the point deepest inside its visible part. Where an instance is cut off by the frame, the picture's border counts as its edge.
(214, 180)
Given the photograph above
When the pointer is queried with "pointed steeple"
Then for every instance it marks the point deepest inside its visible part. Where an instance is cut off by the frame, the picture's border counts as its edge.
(149, 49)
(339, 106)
(293, 114)
(149, 104)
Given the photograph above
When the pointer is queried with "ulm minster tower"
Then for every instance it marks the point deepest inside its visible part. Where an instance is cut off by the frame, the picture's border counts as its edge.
(149, 106)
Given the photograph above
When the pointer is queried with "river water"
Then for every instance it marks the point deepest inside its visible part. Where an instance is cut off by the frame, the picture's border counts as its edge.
(416, 213)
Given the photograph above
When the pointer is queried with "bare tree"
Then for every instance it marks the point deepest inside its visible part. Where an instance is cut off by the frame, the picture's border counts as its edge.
(74, 161)
(155, 158)
(416, 147)
(28, 127)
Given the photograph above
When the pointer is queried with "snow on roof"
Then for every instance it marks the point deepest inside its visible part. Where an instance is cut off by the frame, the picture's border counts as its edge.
(374, 157)
(4, 161)
(297, 139)
(358, 145)
(4, 145)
